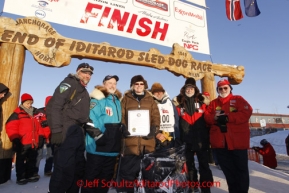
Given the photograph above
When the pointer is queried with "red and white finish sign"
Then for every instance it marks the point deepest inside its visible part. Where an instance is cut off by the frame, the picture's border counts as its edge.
(162, 22)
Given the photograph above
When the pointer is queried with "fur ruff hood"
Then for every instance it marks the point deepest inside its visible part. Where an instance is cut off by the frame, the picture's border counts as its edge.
(180, 99)
(100, 92)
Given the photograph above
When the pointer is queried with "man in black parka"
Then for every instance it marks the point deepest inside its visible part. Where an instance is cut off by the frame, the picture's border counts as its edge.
(67, 113)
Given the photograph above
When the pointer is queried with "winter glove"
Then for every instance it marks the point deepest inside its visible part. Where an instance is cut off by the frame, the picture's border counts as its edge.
(56, 138)
(40, 141)
(44, 124)
(124, 131)
(222, 121)
(151, 134)
(255, 148)
(178, 143)
(93, 132)
(16, 145)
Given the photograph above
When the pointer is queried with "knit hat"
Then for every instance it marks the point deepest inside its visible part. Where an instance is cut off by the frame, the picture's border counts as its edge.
(157, 87)
(190, 82)
(224, 82)
(26, 97)
(85, 67)
(206, 94)
(138, 78)
(47, 100)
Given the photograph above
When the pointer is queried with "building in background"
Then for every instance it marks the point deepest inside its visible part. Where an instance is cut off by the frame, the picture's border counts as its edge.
(263, 123)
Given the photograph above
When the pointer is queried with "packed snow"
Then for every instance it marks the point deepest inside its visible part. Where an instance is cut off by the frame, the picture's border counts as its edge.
(262, 178)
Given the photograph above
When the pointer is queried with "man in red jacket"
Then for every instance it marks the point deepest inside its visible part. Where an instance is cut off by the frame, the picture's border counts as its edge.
(268, 153)
(228, 116)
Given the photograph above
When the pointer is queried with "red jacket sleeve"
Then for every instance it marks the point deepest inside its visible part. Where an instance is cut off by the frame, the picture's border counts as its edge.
(12, 126)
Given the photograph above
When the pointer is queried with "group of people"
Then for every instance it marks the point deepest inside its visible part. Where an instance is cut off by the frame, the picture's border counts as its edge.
(28, 131)
(116, 130)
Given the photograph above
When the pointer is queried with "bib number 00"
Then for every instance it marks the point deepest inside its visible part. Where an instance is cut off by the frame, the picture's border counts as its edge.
(165, 118)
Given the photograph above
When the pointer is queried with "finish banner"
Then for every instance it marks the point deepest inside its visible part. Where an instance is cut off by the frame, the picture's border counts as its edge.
(162, 22)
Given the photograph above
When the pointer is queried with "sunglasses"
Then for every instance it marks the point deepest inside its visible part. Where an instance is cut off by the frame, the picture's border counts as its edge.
(138, 84)
(221, 88)
(85, 65)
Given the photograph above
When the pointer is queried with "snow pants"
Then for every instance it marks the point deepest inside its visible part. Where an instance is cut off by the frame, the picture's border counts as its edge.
(25, 162)
(69, 163)
(49, 158)
(206, 176)
(98, 173)
(234, 164)
(5, 169)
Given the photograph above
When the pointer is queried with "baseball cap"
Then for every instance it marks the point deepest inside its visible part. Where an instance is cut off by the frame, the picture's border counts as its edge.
(108, 77)
(85, 67)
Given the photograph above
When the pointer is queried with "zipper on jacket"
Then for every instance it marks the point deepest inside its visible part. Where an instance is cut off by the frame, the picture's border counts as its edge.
(113, 100)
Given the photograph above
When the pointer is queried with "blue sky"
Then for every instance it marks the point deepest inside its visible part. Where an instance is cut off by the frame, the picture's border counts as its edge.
(260, 44)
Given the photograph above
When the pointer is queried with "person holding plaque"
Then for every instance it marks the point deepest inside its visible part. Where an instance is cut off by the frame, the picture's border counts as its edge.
(141, 116)
(194, 133)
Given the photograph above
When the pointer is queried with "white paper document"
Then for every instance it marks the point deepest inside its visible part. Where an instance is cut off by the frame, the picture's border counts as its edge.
(139, 122)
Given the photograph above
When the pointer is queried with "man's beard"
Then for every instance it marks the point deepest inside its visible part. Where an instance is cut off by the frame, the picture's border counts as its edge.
(190, 95)
(224, 95)
(111, 91)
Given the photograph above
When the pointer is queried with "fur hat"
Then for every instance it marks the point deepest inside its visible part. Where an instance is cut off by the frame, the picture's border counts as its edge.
(138, 78)
(157, 87)
(190, 82)
(26, 97)
(223, 82)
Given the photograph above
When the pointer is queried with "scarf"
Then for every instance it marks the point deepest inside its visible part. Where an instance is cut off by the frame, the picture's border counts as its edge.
(29, 111)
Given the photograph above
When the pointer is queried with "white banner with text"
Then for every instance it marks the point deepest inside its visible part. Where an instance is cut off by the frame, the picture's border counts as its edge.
(162, 22)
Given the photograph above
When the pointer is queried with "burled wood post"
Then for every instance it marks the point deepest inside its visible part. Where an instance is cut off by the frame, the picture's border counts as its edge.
(208, 85)
(12, 58)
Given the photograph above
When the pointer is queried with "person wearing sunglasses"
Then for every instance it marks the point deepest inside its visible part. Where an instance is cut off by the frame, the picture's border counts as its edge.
(194, 133)
(137, 103)
(228, 116)
(67, 113)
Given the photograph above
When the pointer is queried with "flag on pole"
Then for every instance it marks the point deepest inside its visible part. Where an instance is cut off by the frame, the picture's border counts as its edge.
(251, 8)
(233, 10)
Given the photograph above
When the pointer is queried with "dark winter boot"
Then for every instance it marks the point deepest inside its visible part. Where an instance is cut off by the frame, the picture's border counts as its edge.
(22, 181)
(192, 179)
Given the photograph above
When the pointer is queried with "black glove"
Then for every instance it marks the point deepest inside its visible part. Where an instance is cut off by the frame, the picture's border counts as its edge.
(222, 123)
(40, 141)
(56, 138)
(44, 124)
(178, 143)
(223, 119)
(93, 132)
(124, 131)
(16, 145)
(151, 134)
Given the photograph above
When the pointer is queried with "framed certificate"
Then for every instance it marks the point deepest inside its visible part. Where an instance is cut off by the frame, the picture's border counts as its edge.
(139, 122)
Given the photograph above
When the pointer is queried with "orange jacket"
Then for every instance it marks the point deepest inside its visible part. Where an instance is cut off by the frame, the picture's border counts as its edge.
(239, 112)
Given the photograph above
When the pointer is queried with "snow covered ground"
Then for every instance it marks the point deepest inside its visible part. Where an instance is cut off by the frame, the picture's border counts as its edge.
(262, 178)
